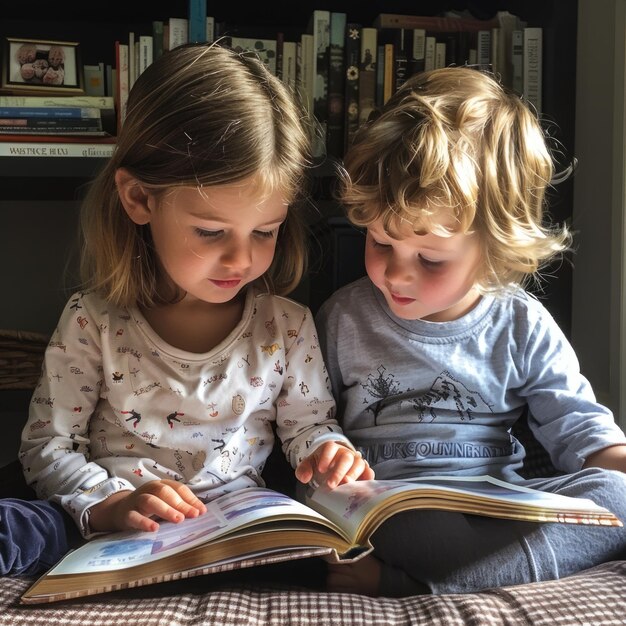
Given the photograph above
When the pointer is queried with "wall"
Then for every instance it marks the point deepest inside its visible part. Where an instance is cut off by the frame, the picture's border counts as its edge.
(598, 279)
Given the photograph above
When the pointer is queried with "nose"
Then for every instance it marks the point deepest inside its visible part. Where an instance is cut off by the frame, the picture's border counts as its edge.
(398, 270)
(237, 254)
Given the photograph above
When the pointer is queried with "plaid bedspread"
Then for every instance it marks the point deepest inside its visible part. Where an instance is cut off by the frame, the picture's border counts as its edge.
(596, 597)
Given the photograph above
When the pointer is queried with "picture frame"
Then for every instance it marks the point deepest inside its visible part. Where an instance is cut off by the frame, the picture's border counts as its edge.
(41, 67)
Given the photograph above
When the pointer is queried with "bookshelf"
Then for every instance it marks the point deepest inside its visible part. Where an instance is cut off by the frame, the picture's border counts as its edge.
(48, 189)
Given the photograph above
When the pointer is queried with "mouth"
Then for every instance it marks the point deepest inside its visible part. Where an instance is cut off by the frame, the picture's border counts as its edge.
(226, 284)
(401, 300)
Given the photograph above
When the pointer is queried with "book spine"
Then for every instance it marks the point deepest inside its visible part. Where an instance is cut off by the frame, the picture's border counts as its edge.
(178, 33)
(483, 48)
(289, 63)
(305, 76)
(146, 52)
(196, 16)
(351, 101)
(389, 78)
(122, 87)
(517, 60)
(210, 29)
(132, 68)
(367, 73)
(157, 38)
(429, 53)
(42, 111)
(417, 63)
(533, 66)
(440, 54)
(336, 84)
(24, 123)
(100, 102)
(380, 74)
(82, 150)
(434, 23)
(320, 29)
(94, 79)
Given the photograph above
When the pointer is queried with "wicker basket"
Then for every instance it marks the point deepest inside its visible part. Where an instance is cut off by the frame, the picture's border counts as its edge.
(21, 356)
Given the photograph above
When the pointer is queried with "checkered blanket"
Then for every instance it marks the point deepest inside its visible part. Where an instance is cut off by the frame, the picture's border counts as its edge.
(596, 597)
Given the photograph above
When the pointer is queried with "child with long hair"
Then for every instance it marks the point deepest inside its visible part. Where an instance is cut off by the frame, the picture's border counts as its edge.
(169, 371)
(445, 350)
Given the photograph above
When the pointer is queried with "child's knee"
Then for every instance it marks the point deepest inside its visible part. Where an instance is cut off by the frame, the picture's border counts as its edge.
(32, 536)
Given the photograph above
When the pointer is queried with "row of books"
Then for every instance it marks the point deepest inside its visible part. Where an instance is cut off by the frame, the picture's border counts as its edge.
(342, 70)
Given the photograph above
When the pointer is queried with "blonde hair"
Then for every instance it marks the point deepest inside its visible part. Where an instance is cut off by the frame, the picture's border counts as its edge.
(455, 139)
(200, 115)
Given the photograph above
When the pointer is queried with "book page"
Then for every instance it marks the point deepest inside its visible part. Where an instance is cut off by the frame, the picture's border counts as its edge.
(361, 506)
(225, 515)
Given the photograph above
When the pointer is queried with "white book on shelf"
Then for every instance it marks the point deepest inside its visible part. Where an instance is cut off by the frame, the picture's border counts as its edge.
(533, 66)
(483, 48)
(210, 28)
(440, 54)
(56, 149)
(178, 32)
(289, 63)
(517, 60)
(146, 52)
(429, 53)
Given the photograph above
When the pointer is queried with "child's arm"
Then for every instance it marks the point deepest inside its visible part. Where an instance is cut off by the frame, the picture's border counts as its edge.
(124, 510)
(613, 457)
(312, 439)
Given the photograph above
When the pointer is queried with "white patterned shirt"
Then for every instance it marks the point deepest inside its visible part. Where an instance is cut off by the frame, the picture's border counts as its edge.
(116, 406)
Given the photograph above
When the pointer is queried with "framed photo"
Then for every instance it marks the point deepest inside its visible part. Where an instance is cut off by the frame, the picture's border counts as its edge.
(44, 67)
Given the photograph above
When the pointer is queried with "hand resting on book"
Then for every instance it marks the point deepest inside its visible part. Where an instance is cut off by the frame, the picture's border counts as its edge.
(333, 464)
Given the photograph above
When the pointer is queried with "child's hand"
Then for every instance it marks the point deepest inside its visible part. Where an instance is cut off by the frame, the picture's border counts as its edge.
(333, 464)
(126, 510)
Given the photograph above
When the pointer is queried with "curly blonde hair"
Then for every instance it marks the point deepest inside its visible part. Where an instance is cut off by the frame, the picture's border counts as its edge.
(200, 115)
(454, 138)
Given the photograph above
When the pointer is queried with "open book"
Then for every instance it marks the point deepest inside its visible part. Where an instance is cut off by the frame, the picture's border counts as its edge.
(259, 526)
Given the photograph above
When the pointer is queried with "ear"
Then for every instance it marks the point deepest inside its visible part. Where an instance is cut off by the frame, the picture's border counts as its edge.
(133, 197)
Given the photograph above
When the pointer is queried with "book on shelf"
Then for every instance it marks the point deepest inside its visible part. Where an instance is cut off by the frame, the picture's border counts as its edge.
(122, 86)
(533, 66)
(517, 60)
(50, 124)
(56, 146)
(429, 52)
(250, 526)
(353, 57)
(157, 38)
(336, 84)
(416, 60)
(196, 16)
(177, 33)
(305, 71)
(47, 112)
(146, 53)
(289, 62)
(319, 27)
(367, 73)
(432, 23)
(94, 79)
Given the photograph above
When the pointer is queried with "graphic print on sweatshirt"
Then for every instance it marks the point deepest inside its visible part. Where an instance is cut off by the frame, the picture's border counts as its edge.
(446, 393)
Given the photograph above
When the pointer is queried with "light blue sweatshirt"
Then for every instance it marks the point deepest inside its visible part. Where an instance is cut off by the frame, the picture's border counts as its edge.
(418, 397)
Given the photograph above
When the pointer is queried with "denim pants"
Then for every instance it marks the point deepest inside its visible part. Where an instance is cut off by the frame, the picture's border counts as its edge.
(33, 536)
(446, 552)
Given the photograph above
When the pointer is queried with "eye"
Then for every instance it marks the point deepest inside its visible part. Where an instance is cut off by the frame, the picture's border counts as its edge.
(266, 234)
(201, 232)
(430, 264)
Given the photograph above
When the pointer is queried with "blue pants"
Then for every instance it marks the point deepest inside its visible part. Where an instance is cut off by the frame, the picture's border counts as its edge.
(446, 552)
(33, 536)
